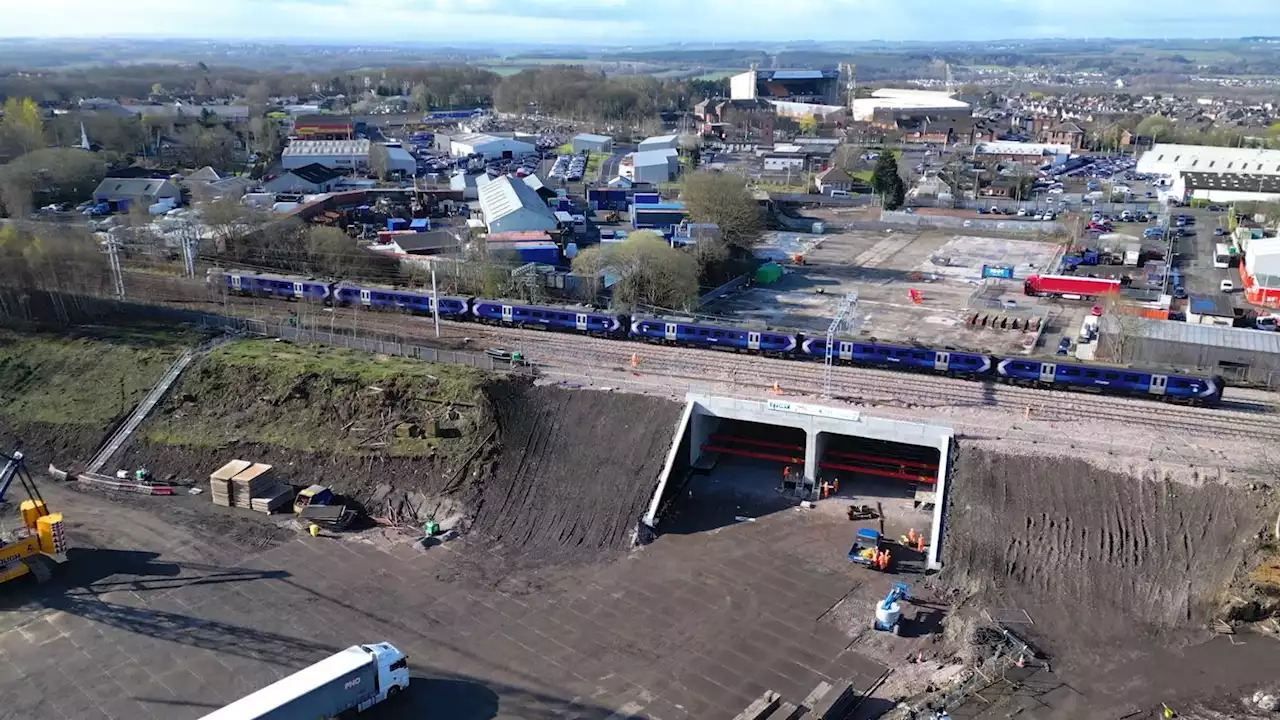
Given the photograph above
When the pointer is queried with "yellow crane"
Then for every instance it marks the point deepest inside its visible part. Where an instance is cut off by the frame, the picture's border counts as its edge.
(26, 550)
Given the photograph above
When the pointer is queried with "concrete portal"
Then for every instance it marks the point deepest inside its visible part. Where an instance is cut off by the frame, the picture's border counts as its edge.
(704, 414)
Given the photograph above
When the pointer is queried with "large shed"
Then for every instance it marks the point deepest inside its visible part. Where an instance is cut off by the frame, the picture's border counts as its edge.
(659, 142)
(1240, 355)
(651, 166)
(341, 154)
(586, 142)
(490, 146)
(513, 206)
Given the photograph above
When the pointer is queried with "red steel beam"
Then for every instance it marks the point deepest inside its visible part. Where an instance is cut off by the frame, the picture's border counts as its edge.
(759, 443)
(877, 471)
(885, 460)
(753, 454)
(850, 456)
(825, 465)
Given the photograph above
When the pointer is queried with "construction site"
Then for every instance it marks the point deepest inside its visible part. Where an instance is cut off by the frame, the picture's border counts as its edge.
(912, 287)
(597, 540)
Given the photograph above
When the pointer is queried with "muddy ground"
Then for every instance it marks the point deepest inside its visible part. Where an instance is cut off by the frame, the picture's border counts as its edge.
(1103, 572)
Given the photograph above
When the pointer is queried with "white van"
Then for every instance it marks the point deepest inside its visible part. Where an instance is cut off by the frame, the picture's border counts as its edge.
(839, 193)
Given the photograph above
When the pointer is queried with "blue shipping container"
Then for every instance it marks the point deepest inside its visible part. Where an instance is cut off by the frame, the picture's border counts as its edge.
(397, 223)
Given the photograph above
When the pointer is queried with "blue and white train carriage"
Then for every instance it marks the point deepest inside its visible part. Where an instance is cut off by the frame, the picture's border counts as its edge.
(550, 318)
(276, 286)
(709, 336)
(409, 301)
(853, 352)
(1113, 380)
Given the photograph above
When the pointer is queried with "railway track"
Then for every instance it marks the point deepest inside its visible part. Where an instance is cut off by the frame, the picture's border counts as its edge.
(869, 387)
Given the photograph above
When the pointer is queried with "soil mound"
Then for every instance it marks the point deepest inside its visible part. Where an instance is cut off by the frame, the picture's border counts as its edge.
(574, 469)
(1096, 558)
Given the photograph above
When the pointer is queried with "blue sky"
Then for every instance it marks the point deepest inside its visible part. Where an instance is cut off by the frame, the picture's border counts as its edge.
(636, 22)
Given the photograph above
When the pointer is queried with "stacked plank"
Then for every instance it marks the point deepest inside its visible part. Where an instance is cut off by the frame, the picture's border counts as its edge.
(220, 482)
(238, 482)
(272, 499)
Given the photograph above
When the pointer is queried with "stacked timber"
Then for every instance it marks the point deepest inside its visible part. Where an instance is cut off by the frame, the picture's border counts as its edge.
(272, 499)
(220, 488)
(254, 481)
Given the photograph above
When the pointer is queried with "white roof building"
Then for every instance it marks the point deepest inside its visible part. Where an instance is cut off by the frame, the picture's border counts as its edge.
(651, 166)
(349, 154)
(904, 99)
(1022, 149)
(1170, 159)
(512, 206)
(490, 146)
(592, 143)
(659, 142)
(1262, 260)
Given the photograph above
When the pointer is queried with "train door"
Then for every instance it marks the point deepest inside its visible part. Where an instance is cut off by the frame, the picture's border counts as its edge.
(298, 292)
(1047, 371)
(1159, 384)
(670, 332)
(580, 321)
(507, 313)
(941, 360)
(365, 297)
(845, 350)
(236, 283)
(753, 340)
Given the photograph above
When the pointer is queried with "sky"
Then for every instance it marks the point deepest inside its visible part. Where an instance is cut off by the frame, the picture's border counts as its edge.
(635, 22)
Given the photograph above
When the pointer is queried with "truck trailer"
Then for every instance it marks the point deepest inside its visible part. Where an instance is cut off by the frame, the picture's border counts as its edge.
(354, 679)
(1066, 286)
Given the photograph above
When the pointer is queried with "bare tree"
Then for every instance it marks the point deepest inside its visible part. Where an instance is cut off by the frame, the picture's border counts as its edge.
(649, 271)
(379, 160)
(723, 199)
(230, 222)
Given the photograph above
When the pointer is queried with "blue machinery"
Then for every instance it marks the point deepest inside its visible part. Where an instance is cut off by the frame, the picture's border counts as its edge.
(889, 610)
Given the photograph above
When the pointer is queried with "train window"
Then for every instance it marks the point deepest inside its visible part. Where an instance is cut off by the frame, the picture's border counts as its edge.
(1071, 372)
(1178, 383)
(1091, 374)
(920, 355)
(1131, 378)
(883, 351)
(703, 332)
(1111, 375)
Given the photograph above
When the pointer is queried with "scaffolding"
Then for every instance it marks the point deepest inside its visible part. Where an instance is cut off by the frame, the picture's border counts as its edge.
(841, 324)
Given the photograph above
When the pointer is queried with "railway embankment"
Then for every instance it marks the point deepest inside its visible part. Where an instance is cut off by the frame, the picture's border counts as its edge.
(538, 472)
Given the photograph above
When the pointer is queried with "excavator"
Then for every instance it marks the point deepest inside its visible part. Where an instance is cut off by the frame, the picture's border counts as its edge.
(28, 551)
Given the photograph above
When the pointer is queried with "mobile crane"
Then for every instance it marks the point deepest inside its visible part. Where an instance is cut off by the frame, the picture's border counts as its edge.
(41, 535)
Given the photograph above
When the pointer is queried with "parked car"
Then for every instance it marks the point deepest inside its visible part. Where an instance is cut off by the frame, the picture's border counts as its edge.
(1227, 286)
(1219, 232)
(1064, 345)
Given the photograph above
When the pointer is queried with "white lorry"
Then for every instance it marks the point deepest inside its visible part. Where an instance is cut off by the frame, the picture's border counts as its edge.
(354, 679)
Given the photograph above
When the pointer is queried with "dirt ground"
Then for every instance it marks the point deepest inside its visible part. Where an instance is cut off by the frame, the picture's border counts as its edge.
(1097, 569)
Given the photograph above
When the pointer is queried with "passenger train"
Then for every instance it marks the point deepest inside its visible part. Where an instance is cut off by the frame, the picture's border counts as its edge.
(1154, 384)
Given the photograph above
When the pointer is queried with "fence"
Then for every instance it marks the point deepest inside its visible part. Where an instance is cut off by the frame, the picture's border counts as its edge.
(730, 286)
(1029, 227)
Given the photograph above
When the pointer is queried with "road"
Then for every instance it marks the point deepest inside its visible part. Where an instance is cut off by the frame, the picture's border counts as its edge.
(609, 166)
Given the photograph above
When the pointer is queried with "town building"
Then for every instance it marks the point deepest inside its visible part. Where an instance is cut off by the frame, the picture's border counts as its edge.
(1237, 354)
(887, 105)
(324, 127)
(511, 206)
(819, 87)
(1260, 271)
(1067, 133)
(650, 166)
(351, 155)
(308, 179)
(136, 191)
(832, 179)
(586, 142)
(659, 142)
(1215, 174)
(1021, 152)
(490, 146)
